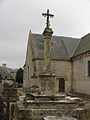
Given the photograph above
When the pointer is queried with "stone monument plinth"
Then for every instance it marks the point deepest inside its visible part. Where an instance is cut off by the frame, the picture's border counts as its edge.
(47, 84)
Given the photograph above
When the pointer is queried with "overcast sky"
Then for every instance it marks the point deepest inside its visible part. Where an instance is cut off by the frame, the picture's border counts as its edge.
(17, 17)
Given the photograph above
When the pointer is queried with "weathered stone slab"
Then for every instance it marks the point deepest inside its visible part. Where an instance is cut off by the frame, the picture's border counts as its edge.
(47, 84)
(59, 118)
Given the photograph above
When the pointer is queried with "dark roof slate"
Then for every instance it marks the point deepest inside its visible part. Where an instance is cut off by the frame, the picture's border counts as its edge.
(61, 47)
(71, 44)
(58, 51)
(83, 46)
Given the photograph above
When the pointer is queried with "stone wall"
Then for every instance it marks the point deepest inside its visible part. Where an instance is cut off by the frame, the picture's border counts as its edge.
(37, 110)
(10, 97)
(28, 68)
(81, 80)
(62, 69)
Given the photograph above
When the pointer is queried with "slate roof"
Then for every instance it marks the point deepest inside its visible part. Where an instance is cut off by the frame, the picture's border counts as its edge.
(62, 48)
(5, 73)
(83, 46)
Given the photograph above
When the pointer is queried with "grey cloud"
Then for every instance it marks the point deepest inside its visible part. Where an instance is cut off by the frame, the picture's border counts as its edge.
(17, 17)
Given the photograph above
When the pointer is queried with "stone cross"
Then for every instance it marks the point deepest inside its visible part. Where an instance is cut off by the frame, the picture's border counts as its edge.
(48, 15)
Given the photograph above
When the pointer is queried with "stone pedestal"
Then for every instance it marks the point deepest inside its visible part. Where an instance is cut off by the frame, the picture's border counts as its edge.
(47, 84)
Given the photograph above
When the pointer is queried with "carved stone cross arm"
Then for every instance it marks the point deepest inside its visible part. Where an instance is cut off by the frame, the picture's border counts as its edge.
(47, 15)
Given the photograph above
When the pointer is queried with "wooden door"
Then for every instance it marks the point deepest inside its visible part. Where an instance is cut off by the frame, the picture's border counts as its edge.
(61, 85)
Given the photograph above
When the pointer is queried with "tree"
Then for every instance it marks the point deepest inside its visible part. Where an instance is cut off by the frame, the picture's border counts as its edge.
(19, 75)
(2, 109)
(0, 78)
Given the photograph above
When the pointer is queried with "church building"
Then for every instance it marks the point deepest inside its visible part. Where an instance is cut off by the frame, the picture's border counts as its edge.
(69, 62)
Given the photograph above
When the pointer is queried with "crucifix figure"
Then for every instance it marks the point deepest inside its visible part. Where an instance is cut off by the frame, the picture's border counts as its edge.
(48, 15)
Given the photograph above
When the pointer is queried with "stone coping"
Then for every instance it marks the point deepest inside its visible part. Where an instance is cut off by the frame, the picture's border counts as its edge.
(22, 107)
(47, 75)
(50, 101)
(47, 96)
(63, 117)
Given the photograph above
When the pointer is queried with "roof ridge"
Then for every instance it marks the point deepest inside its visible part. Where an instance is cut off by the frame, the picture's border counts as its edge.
(65, 48)
(83, 46)
(85, 35)
(76, 47)
(10, 73)
(6, 72)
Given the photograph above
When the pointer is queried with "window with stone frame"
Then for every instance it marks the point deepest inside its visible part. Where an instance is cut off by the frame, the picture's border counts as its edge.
(88, 68)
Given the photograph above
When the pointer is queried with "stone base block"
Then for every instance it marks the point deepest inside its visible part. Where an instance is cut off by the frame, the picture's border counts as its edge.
(47, 84)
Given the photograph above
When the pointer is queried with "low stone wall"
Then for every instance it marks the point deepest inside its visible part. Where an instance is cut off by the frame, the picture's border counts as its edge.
(37, 110)
(41, 113)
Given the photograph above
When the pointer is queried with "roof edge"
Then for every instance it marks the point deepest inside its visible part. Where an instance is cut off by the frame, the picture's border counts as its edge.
(75, 48)
(81, 54)
(52, 59)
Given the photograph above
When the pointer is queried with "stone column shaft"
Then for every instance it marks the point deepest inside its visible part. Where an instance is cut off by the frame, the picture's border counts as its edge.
(47, 48)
